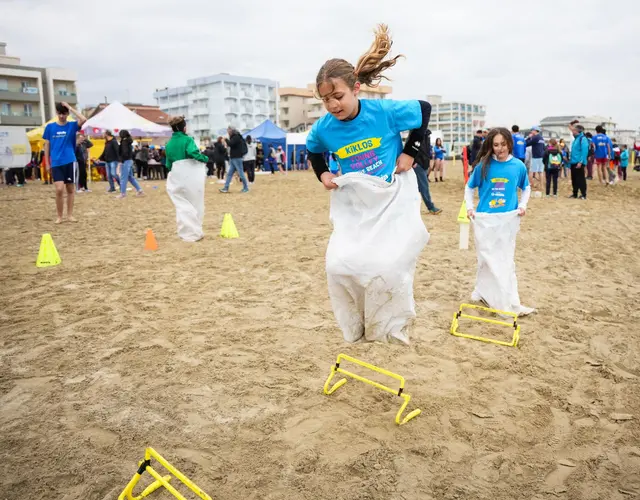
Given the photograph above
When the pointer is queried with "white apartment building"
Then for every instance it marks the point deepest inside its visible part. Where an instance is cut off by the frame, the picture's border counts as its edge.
(560, 125)
(212, 103)
(28, 95)
(458, 121)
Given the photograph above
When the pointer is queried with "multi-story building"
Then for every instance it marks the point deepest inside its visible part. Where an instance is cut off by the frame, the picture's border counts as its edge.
(294, 108)
(28, 95)
(458, 121)
(560, 125)
(626, 136)
(212, 103)
(300, 109)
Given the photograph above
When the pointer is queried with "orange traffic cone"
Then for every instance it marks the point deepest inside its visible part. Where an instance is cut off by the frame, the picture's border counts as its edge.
(150, 242)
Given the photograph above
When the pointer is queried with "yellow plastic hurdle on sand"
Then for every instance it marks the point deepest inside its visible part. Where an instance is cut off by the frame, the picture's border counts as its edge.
(459, 314)
(399, 392)
(160, 481)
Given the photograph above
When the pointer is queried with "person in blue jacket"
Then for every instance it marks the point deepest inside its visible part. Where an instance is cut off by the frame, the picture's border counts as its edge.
(579, 155)
(624, 162)
(519, 144)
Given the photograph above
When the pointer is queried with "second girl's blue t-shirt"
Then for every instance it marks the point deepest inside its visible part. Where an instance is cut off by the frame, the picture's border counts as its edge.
(371, 142)
(499, 191)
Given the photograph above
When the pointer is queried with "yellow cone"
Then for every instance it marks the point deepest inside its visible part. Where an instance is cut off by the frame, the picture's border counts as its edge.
(228, 227)
(48, 255)
(462, 214)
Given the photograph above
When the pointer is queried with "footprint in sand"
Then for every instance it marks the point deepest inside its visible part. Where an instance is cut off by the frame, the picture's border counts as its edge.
(100, 437)
(555, 480)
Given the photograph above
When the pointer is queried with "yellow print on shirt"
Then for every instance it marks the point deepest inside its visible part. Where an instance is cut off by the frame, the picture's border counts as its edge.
(358, 147)
(499, 179)
(497, 203)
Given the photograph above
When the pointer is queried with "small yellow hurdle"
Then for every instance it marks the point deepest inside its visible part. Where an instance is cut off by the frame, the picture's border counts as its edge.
(160, 481)
(399, 392)
(459, 314)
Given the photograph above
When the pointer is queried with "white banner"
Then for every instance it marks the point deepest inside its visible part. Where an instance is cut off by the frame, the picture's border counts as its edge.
(15, 150)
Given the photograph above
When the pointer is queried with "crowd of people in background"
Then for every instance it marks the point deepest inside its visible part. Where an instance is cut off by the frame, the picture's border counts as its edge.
(549, 161)
(125, 161)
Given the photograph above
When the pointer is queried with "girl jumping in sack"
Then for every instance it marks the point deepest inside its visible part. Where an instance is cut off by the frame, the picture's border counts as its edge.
(378, 232)
(497, 175)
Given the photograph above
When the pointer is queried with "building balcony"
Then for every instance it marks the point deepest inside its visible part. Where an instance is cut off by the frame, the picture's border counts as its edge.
(21, 119)
(20, 95)
(66, 96)
(316, 113)
(200, 111)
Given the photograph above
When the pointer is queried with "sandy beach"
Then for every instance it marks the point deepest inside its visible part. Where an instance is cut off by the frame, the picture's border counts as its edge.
(215, 354)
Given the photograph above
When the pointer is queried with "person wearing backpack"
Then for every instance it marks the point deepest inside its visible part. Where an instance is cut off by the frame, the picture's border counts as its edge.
(237, 149)
(579, 154)
(553, 164)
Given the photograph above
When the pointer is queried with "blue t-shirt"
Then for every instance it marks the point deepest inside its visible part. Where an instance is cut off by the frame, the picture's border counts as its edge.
(519, 146)
(601, 141)
(62, 142)
(440, 152)
(499, 191)
(371, 142)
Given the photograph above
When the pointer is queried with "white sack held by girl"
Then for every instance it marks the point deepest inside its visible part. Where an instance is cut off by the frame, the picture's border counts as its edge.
(377, 236)
(185, 186)
(496, 281)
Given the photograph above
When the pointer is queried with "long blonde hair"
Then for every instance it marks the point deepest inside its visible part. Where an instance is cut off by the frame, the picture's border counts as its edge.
(370, 66)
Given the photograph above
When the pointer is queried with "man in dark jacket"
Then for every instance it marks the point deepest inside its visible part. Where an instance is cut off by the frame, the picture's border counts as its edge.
(210, 153)
(111, 157)
(82, 155)
(422, 164)
(475, 146)
(237, 149)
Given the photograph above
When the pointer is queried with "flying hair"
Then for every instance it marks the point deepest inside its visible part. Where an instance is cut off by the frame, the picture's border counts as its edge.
(369, 68)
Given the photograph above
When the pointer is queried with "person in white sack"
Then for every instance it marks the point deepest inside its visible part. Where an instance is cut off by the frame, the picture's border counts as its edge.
(187, 168)
(496, 221)
(378, 232)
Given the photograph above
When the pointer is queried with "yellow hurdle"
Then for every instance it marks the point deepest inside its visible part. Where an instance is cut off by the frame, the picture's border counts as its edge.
(160, 481)
(399, 392)
(514, 324)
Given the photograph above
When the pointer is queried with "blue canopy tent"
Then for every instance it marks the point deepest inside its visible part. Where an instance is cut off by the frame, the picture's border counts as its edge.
(268, 133)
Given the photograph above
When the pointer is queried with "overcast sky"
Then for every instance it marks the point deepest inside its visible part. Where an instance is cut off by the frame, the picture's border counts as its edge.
(524, 59)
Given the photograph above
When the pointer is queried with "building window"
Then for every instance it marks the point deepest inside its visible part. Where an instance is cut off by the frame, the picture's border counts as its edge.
(285, 111)
(6, 109)
(28, 110)
(4, 84)
(285, 98)
(286, 124)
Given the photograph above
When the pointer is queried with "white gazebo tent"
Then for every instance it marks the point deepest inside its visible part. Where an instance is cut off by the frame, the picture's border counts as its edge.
(116, 117)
